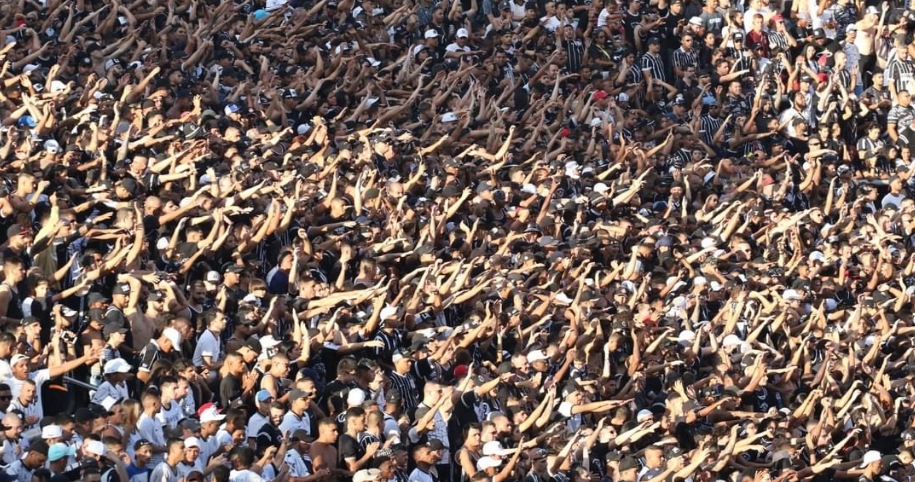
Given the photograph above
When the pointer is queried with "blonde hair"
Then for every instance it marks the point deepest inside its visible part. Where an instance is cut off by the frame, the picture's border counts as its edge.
(131, 410)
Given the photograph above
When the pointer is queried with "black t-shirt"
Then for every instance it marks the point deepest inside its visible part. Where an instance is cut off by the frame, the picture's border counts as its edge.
(349, 448)
(229, 390)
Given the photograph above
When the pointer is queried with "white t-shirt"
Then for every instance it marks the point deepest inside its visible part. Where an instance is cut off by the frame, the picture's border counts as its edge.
(254, 425)
(208, 345)
(420, 476)
(244, 476)
(38, 377)
(296, 463)
(151, 429)
(291, 422)
(170, 415)
(106, 389)
(565, 408)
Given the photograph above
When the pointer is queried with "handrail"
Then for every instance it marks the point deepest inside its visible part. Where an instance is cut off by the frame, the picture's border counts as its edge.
(80, 383)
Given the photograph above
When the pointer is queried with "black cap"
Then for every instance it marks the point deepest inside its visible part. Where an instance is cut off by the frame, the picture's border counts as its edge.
(819, 33)
(392, 396)
(96, 298)
(654, 40)
(113, 328)
(130, 185)
(628, 463)
(28, 320)
(121, 289)
(254, 345)
(232, 268)
(435, 444)
(84, 415)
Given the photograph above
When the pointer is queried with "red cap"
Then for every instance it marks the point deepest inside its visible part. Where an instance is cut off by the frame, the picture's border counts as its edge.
(565, 132)
(600, 95)
(777, 18)
(460, 371)
(205, 407)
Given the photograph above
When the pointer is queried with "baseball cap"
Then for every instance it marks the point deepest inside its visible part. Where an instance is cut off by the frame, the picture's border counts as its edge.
(173, 336)
(94, 447)
(431, 33)
(51, 431)
(113, 328)
(209, 413)
(263, 396)
(462, 33)
(192, 442)
(487, 463)
(366, 475)
(59, 451)
(117, 365)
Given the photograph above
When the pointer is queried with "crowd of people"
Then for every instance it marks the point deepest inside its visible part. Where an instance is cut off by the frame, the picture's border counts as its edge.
(457, 241)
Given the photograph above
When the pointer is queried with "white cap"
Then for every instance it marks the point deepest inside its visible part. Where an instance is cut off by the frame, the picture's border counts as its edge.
(173, 336)
(268, 342)
(388, 312)
(695, 21)
(108, 402)
(623, 97)
(52, 146)
(529, 189)
(31, 67)
(485, 463)
(536, 355)
(870, 457)
(601, 188)
(715, 286)
(118, 365)
(211, 415)
(52, 431)
(355, 398)
(431, 33)
(212, 277)
(18, 358)
(686, 337)
(699, 281)
(792, 295)
(191, 442)
(366, 475)
(816, 256)
(58, 86)
(709, 242)
(462, 33)
(162, 244)
(731, 340)
(643, 415)
(94, 447)
(449, 117)
(495, 448)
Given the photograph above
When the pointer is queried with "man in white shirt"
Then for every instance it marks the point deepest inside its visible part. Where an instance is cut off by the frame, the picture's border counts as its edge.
(208, 352)
(296, 418)
(20, 368)
(262, 399)
(170, 412)
(210, 419)
(150, 429)
(167, 470)
(114, 386)
(297, 454)
(191, 461)
(459, 47)
(25, 403)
